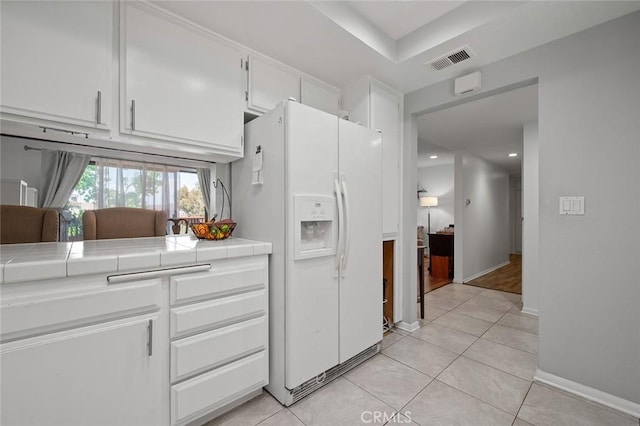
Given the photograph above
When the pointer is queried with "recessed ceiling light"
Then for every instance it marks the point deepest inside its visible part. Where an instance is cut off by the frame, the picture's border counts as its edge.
(433, 157)
(513, 154)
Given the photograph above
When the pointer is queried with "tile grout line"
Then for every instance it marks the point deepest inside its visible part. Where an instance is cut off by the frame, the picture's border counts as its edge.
(294, 415)
(460, 355)
(472, 396)
(455, 359)
(521, 404)
(268, 417)
(395, 412)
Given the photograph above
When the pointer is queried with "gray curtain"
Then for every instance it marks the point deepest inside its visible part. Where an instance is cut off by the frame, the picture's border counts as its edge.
(204, 179)
(61, 171)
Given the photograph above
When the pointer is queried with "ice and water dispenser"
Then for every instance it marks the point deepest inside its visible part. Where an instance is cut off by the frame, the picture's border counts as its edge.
(315, 226)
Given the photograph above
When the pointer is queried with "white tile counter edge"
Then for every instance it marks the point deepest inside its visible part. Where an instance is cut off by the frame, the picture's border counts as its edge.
(29, 262)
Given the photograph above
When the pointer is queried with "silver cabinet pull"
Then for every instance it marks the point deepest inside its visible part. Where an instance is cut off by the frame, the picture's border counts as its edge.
(133, 114)
(150, 338)
(99, 108)
(147, 275)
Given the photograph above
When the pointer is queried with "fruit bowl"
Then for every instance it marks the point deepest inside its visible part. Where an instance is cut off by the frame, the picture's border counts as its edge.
(213, 230)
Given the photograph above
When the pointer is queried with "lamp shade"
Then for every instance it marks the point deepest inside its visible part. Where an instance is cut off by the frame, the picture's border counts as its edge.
(428, 201)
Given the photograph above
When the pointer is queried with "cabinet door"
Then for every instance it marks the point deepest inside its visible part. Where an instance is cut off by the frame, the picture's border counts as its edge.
(385, 116)
(57, 61)
(180, 83)
(98, 375)
(269, 84)
(319, 96)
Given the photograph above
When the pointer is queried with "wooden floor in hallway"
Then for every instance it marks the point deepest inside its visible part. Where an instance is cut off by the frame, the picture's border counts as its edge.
(508, 278)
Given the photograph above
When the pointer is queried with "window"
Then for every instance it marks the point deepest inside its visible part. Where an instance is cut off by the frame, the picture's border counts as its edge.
(120, 183)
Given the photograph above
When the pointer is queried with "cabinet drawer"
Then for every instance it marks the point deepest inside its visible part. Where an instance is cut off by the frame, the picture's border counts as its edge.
(218, 283)
(208, 350)
(218, 312)
(55, 312)
(216, 388)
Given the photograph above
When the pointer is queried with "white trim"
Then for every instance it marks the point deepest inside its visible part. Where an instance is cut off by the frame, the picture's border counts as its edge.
(592, 394)
(529, 311)
(486, 271)
(408, 327)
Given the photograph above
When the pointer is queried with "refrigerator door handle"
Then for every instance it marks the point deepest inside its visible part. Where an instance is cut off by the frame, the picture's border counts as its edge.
(347, 227)
(339, 254)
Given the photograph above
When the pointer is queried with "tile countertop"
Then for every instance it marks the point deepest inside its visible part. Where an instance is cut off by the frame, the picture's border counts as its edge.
(30, 262)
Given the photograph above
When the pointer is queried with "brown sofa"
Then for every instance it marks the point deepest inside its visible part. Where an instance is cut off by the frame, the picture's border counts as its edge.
(123, 222)
(22, 224)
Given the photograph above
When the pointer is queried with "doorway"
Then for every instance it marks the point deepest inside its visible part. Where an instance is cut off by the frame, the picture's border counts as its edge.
(485, 139)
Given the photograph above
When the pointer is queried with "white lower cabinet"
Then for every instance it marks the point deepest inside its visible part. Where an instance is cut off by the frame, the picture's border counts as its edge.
(104, 374)
(219, 347)
(166, 350)
(204, 393)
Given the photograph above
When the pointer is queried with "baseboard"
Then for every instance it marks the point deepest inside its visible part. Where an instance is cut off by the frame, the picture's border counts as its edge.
(408, 327)
(486, 271)
(595, 395)
(529, 311)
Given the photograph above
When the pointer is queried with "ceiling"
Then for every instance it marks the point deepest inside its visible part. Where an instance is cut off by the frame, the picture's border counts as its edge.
(391, 40)
(340, 41)
(489, 128)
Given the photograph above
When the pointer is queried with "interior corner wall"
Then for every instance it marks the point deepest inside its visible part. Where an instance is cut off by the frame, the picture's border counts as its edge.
(458, 214)
(589, 133)
(485, 207)
(531, 222)
(408, 221)
(438, 181)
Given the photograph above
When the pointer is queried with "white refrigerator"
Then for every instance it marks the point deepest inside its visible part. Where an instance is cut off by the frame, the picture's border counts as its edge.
(310, 183)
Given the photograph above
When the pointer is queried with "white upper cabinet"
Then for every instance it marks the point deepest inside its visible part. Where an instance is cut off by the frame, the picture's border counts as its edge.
(269, 84)
(320, 96)
(179, 82)
(379, 107)
(57, 61)
(385, 116)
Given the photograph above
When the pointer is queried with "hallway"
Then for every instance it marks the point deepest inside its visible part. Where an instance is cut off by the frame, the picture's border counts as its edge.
(508, 278)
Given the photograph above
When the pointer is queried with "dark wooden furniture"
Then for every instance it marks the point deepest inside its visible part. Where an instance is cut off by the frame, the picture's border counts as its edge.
(387, 274)
(441, 255)
(421, 279)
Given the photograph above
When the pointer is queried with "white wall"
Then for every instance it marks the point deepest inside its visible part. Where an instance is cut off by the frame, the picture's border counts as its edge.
(438, 181)
(589, 132)
(485, 240)
(16, 163)
(515, 220)
(530, 224)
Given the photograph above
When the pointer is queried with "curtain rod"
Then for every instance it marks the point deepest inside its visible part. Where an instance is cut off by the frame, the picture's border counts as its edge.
(28, 148)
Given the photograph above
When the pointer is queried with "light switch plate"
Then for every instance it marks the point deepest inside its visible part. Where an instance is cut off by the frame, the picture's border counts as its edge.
(572, 205)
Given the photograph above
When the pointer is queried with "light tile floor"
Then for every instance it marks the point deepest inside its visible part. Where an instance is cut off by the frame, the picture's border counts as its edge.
(470, 363)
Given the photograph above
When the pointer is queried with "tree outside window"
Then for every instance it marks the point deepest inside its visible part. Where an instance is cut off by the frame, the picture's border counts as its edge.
(119, 183)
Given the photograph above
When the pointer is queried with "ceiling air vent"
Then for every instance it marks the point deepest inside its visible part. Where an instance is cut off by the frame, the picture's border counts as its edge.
(452, 58)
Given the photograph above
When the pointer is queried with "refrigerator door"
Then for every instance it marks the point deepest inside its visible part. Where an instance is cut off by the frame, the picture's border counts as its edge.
(360, 288)
(311, 284)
